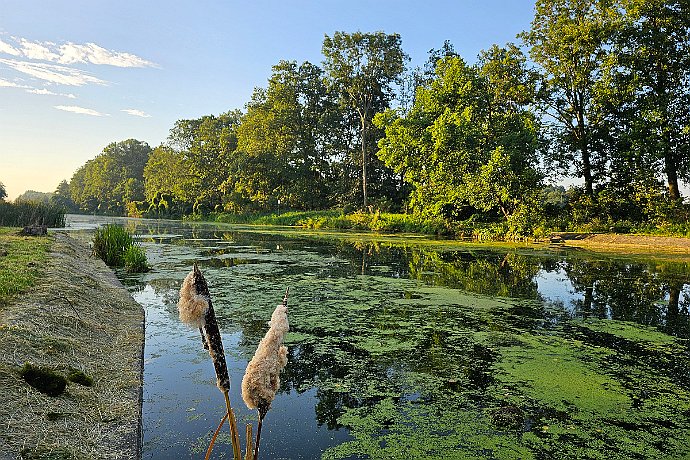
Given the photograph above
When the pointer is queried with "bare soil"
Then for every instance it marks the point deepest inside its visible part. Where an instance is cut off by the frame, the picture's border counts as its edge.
(78, 316)
(633, 244)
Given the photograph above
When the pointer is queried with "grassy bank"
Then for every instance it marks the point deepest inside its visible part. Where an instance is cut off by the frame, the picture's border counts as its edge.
(336, 219)
(20, 260)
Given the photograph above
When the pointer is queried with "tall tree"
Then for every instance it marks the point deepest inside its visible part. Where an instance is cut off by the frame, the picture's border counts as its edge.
(365, 67)
(469, 143)
(3, 192)
(208, 143)
(650, 71)
(568, 39)
(285, 140)
(61, 197)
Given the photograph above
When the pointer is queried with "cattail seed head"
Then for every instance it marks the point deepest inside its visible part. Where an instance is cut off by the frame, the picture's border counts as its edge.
(261, 380)
(192, 306)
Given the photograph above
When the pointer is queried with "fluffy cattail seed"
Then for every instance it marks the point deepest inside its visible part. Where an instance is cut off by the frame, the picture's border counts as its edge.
(261, 380)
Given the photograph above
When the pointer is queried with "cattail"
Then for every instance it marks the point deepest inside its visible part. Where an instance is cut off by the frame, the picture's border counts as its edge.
(196, 309)
(261, 380)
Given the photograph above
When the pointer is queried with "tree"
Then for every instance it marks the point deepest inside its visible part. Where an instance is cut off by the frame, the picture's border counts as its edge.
(284, 141)
(62, 197)
(469, 144)
(364, 67)
(168, 182)
(650, 78)
(208, 143)
(568, 39)
(3, 192)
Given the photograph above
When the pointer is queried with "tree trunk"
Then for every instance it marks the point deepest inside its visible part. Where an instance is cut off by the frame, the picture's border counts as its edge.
(671, 176)
(364, 161)
(585, 154)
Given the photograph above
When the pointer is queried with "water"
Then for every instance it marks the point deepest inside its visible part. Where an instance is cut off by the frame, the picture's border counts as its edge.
(412, 348)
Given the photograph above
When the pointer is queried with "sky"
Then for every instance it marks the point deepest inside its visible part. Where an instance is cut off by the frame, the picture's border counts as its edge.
(76, 76)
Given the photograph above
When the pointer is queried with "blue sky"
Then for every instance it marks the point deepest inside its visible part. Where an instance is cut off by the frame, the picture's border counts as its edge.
(78, 75)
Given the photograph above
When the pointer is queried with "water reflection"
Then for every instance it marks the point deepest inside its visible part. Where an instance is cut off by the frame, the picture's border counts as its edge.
(407, 350)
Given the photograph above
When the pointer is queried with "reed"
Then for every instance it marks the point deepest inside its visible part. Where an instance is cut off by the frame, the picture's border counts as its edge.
(31, 213)
(261, 380)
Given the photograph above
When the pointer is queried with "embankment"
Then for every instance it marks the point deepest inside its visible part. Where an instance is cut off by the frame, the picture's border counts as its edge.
(77, 320)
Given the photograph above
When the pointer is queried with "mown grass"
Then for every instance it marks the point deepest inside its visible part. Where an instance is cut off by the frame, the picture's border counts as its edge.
(31, 213)
(20, 260)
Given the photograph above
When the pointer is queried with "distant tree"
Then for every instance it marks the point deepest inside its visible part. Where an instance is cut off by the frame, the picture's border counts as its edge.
(169, 183)
(62, 197)
(364, 67)
(107, 183)
(208, 144)
(568, 40)
(3, 192)
(34, 197)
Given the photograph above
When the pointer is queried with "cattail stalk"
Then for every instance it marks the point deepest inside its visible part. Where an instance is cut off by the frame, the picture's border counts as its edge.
(196, 309)
(262, 378)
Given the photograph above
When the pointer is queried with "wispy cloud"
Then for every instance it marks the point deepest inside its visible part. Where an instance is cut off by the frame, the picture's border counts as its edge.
(6, 48)
(47, 92)
(80, 110)
(71, 53)
(11, 84)
(136, 113)
(53, 73)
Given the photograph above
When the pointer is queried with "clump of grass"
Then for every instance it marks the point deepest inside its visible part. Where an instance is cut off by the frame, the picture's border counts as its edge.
(115, 246)
(44, 380)
(135, 259)
(79, 377)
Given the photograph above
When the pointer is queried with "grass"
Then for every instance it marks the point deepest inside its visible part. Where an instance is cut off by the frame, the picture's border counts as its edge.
(20, 259)
(115, 246)
(31, 213)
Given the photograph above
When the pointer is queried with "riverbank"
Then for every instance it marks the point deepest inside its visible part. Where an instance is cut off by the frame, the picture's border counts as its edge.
(77, 319)
(624, 243)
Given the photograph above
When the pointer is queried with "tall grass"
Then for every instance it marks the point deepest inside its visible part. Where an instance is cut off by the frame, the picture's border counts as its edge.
(31, 213)
(115, 246)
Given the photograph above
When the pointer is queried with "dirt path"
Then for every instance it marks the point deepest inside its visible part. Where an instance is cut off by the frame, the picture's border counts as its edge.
(77, 317)
(612, 242)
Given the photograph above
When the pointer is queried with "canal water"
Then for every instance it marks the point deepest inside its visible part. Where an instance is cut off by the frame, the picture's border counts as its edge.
(409, 347)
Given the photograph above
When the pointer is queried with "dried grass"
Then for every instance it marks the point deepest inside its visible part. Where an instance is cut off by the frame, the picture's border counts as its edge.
(76, 317)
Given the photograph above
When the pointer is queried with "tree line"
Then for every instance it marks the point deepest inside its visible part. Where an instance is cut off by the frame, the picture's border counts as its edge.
(597, 90)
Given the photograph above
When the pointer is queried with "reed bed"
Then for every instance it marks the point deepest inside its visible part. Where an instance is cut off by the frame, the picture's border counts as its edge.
(262, 377)
(31, 213)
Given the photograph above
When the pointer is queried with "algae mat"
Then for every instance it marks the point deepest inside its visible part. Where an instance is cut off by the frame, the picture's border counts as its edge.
(76, 322)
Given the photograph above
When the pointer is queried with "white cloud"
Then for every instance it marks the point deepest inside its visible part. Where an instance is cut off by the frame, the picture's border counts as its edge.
(47, 92)
(37, 50)
(80, 110)
(136, 113)
(71, 53)
(11, 84)
(9, 49)
(53, 73)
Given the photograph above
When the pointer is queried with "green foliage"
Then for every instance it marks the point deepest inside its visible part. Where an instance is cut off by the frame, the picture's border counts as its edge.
(115, 246)
(44, 380)
(33, 196)
(468, 145)
(3, 192)
(114, 178)
(26, 213)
